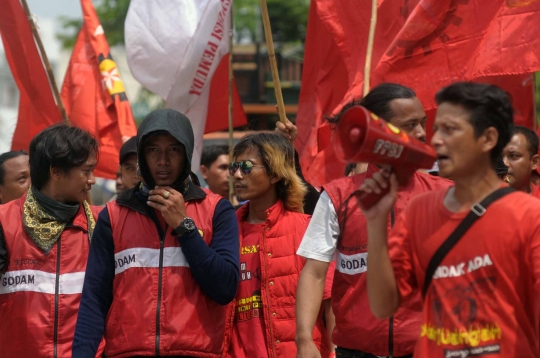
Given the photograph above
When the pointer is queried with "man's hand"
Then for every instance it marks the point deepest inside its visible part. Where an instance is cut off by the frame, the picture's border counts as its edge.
(289, 131)
(306, 348)
(170, 203)
(380, 180)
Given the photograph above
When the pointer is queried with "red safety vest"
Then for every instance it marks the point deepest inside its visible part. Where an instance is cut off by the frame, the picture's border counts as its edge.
(158, 308)
(40, 293)
(280, 271)
(356, 327)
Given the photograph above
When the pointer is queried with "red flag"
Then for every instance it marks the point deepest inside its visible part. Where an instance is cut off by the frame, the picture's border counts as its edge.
(423, 44)
(37, 108)
(94, 93)
(218, 103)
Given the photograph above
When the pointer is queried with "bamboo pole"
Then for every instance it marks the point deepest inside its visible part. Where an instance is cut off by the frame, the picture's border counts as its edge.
(273, 62)
(231, 124)
(369, 52)
(46, 63)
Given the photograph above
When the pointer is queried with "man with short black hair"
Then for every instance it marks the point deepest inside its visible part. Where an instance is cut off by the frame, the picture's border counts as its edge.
(14, 175)
(128, 163)
(337, 233)
(472, 250)
(44, 243)
(215, 169)
(521, 156)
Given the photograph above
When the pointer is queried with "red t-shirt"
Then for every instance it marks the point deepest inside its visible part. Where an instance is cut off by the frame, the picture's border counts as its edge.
(484, 299)
(248, 339)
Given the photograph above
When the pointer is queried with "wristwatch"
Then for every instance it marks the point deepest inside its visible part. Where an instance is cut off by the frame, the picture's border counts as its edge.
(186, 226)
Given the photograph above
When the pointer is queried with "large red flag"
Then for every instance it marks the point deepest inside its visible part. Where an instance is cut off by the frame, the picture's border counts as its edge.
(423, 44)
(37, 108)
(94, 93)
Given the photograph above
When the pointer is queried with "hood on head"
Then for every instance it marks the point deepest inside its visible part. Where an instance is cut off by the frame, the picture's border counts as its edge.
(176, 124)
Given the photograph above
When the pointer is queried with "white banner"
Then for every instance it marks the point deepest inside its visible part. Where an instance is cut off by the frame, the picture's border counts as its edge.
(173, 49)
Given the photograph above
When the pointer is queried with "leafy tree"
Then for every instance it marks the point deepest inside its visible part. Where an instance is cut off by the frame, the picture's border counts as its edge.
(288, 19)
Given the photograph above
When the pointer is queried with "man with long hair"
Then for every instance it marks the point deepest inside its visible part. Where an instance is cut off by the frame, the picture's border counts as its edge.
(44, 243)
(271, 227)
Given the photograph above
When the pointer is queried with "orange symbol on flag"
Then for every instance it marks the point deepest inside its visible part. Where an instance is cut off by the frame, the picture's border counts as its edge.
(516, 3)
(111, 77)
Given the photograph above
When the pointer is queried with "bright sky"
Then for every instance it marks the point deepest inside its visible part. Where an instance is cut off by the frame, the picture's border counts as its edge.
(51, 9)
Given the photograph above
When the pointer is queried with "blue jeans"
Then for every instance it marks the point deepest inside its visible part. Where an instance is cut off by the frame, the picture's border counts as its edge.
(350, 353)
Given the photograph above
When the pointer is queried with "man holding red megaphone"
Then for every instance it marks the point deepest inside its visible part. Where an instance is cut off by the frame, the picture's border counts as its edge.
(338, 223)
(473, 250)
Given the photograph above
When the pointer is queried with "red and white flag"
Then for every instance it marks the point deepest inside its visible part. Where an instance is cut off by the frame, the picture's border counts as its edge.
(179, 50)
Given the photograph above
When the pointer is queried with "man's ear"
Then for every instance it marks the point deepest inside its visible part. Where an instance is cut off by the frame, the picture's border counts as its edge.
(491, 137)
(1, 193)
(204, 171)
(56, 173)
(535, 160)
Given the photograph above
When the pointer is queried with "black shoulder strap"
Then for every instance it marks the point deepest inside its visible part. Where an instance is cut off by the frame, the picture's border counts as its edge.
(477, 211)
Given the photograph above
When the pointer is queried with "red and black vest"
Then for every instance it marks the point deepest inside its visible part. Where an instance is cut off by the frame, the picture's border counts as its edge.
(40, 293)
(158, 308)
(356, 327)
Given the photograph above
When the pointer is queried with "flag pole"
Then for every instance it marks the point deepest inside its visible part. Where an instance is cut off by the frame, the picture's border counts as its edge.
(46, 62)
(231, 125)
(369, 52)
(273, 62)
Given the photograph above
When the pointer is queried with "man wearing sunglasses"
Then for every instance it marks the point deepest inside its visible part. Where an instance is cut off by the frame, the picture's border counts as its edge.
(338, 232)
(271, 227)
(164, 260)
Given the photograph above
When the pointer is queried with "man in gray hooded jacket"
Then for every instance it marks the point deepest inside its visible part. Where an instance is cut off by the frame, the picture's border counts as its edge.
(164, 260)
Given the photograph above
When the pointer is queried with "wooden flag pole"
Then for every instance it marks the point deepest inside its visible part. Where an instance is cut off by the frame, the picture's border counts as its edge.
(46, 62)
(231, 124)
(369, 52)
(273, 62)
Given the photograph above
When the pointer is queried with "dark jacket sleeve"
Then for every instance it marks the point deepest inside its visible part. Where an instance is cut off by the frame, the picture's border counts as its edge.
(97, 292)
(216, 267)
(3, 250)
(312, 196)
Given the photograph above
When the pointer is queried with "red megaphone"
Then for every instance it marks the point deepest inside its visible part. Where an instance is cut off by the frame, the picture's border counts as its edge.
(364, 137)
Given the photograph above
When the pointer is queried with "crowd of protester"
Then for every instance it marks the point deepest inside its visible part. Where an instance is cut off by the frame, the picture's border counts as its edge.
(170, 268)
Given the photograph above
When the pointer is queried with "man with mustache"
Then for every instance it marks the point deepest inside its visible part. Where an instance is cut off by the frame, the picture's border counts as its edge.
(338, 232)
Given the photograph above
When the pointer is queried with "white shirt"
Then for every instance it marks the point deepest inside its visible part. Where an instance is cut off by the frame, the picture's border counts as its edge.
(320, 239)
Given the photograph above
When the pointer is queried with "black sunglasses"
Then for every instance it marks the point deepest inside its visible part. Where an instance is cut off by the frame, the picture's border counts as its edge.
(245, 166)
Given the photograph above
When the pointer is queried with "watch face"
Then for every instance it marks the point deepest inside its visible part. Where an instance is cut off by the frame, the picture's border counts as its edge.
(189, 224)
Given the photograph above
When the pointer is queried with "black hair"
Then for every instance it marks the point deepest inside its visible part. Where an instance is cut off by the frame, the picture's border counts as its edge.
(530, 136)
(488, 106)
(59, 146)
(349, 168)
(378, 101)
(4, 157)
(211, 153)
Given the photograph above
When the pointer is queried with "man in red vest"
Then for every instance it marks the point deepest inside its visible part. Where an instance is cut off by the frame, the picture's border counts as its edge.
(44, 244)
(338, 232)
(164, 263)
(521, 156)
(271, 226)
(472, 250)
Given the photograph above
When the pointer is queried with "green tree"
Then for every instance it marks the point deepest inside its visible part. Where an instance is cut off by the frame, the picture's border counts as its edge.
(112, 15)
(288, 19)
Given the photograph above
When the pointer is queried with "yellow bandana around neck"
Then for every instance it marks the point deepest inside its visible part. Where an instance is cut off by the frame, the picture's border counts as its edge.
(43, 228)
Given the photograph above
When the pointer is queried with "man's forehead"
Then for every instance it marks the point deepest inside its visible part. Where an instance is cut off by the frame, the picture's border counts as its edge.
(162, 138)
(21, 160)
